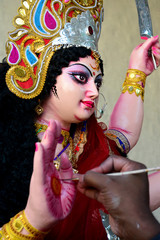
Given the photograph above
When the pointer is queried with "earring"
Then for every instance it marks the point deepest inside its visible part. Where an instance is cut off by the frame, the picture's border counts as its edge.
(101, 110)
(39, 108)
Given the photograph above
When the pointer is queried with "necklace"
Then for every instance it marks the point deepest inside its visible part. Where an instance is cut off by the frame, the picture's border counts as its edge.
(40, 127)
(66, 138)
(72, 145)
(65, 135)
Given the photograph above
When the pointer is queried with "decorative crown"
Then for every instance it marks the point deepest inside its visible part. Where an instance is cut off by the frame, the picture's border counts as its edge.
(42, 27)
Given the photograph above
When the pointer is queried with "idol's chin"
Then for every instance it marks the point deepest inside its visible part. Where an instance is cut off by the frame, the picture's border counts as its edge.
(79, 119)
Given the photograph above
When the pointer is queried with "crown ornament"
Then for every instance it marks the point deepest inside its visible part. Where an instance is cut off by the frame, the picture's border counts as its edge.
(42, 27)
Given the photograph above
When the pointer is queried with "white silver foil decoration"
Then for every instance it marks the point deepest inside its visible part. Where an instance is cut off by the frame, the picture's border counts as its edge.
(81, 31)
(145, 23)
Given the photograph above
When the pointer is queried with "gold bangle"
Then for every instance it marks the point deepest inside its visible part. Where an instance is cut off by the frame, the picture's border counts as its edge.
(137, 89)
(134, 82)
(1, 236)
(13, 229)
(135, 75)
(33, 231)
(9, 233)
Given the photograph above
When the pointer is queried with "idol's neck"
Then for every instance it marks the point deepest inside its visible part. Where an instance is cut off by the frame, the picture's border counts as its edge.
(44, 118)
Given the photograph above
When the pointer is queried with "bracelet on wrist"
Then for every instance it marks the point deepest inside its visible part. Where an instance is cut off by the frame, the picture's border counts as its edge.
(134, 82)
(13, 229)
(135, 75)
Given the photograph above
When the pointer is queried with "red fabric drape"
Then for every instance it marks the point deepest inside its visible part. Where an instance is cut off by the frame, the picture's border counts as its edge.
(84, 221)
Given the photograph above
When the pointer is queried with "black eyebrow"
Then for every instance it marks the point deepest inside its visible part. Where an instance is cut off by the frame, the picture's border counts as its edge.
(83, 66)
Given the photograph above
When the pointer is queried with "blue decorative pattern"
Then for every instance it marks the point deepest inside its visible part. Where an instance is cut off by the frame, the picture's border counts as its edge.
(31, 58)
(119, 138)
(37, 17)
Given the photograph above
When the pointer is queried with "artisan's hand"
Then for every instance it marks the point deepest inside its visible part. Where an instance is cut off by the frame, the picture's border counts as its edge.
(125, 197)
(141, 59)
(50, 199)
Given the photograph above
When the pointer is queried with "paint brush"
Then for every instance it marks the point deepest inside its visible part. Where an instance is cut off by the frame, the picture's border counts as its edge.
(146, 170)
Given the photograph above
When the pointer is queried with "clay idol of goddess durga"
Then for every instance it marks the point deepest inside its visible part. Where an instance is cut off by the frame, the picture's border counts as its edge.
(50, 83)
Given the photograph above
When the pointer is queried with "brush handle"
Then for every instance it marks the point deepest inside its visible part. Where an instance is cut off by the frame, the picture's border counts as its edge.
(146, 170)
(135, 171)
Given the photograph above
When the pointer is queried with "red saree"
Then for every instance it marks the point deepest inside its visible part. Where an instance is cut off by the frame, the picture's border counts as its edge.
(84, 221)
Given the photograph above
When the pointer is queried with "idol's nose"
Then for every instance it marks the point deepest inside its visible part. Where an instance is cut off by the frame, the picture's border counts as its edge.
(92, 91)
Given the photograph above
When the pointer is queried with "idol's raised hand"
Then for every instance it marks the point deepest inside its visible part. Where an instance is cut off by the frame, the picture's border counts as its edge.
(123, 117)
(141, 58)
(50, 199)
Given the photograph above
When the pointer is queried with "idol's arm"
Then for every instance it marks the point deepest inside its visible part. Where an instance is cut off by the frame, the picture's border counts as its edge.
(127, 115)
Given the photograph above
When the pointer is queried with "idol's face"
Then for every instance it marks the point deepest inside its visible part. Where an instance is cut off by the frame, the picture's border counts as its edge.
(77, 90)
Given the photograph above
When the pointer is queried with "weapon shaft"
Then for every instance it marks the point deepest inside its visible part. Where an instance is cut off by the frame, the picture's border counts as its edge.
(145, 22)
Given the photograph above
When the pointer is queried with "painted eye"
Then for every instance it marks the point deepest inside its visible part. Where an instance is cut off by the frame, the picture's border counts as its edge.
(98, 83)
(79, 78)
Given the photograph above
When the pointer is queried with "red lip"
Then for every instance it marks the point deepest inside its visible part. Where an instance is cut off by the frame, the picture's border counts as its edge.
(88, 104)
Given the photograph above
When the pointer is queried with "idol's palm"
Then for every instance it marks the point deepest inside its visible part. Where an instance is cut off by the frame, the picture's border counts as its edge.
(50, 199)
